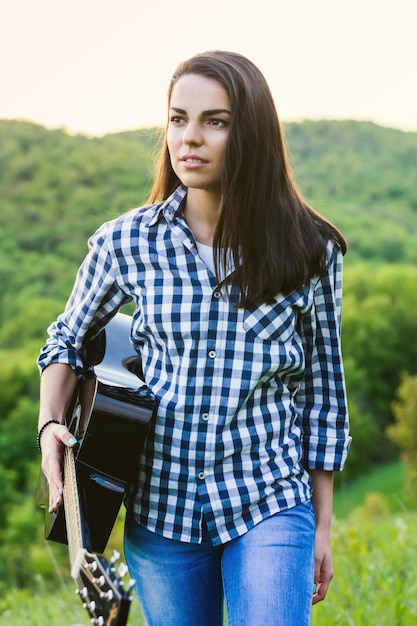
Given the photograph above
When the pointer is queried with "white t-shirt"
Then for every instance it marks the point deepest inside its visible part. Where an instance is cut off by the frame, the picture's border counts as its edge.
(206, 254)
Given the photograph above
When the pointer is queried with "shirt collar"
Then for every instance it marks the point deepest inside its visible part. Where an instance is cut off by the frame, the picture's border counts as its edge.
(170, 207)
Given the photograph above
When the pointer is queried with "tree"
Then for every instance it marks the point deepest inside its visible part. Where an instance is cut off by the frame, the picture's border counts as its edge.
(378, 331)
(404, 430)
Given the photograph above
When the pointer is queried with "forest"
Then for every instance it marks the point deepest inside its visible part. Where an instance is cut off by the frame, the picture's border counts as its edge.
(57, 188)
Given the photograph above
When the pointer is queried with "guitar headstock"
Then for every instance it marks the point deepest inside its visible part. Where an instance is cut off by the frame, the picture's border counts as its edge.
(101, 588)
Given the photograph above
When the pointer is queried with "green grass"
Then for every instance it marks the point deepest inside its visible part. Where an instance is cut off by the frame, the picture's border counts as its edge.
(387, 481)
(375, 560)
(375, 554)
(375, 580)
(59, 607)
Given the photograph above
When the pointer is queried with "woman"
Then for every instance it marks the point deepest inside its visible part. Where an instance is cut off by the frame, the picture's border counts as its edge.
(237, 287)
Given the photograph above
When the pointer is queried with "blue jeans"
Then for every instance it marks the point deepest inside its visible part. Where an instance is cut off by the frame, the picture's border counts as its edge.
(265, 576)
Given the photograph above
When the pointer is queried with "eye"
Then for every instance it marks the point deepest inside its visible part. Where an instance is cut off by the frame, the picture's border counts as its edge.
(177, 120)
(216, 121)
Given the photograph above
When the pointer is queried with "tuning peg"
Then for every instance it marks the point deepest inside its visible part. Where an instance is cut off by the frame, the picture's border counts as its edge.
(131, 584)
(98, 620)
(122, 570)
(82, 592)
(91, 566)
(90, 606)
(99, 581)
(115, 557)
(107, 595)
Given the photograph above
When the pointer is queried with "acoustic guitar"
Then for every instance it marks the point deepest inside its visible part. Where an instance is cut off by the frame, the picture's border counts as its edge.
(109, 417)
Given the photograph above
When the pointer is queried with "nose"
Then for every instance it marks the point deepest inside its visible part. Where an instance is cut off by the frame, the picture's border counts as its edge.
(192, 134)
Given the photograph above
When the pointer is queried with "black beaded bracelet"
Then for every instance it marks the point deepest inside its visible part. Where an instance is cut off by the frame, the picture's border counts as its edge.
(38, 438)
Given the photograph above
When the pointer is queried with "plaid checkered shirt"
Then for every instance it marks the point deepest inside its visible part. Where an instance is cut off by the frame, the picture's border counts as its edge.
(248, 399)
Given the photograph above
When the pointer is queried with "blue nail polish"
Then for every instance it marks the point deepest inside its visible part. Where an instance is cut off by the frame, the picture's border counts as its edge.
(72, 441)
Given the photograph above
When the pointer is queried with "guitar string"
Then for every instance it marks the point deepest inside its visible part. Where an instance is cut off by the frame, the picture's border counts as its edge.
(72, 506)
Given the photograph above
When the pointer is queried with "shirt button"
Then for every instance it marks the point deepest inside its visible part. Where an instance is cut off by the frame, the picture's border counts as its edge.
(217, 294)
(201, 475)
(212, 354)
(205, 417)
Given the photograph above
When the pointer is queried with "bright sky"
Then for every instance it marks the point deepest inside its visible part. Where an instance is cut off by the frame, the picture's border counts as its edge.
(98, 66)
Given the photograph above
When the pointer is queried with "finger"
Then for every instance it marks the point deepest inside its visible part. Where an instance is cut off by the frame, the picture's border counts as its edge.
(53, 471)
(65, 436)
(55, 499)
(52, 463)
(52, 466)
(321, 592)
(322, 581)
(70, 440)
(56, 488)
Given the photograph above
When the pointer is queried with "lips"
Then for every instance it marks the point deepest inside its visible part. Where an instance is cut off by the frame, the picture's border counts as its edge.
(193, 159)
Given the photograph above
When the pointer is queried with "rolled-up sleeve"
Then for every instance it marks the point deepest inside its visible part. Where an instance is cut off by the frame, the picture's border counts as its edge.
(321, 399)
(95, 299)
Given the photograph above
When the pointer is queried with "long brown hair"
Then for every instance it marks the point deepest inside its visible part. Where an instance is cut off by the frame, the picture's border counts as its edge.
(277, 241)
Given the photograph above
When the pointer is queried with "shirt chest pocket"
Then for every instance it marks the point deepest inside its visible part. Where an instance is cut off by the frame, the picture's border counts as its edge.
(271, 322)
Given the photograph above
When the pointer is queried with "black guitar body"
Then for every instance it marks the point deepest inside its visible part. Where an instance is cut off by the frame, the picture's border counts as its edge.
(107, 458)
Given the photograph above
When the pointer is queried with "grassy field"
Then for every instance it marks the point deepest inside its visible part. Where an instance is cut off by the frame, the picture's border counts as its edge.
(375, 555)
(375, 558)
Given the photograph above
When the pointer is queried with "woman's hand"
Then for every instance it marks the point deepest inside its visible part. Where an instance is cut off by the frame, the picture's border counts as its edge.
(58, 385)
(322, 502)
(323, 568)
(53, 440)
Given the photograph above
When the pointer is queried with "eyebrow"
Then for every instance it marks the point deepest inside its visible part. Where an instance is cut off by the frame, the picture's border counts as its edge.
(204, 113)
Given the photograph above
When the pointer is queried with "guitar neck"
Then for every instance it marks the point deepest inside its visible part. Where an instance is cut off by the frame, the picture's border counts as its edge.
(73, 519)
(72, 512)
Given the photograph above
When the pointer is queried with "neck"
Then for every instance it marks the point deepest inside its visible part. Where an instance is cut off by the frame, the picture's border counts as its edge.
(201, 212)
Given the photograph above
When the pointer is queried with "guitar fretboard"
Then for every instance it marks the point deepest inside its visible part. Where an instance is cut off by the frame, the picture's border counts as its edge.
(72, 506)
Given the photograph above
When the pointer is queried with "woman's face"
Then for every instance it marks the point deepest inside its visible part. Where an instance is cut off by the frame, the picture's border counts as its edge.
(198, 129)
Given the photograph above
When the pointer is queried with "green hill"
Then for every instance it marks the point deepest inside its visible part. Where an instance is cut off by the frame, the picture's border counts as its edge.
(363, 177)
(56, 189)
